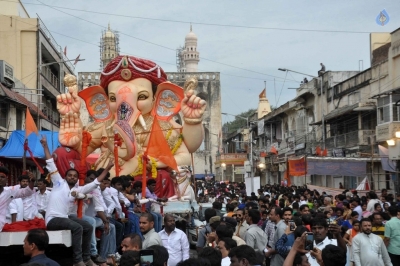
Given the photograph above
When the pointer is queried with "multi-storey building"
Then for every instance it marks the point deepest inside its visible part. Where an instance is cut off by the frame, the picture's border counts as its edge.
(347, 114)
(37, 60)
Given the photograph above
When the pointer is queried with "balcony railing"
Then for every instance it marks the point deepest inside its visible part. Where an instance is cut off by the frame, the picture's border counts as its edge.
(351, 139)
(46, 72)
(53, 42)
(53, 116)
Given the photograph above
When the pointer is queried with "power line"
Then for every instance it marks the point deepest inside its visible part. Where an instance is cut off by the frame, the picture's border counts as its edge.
(162, 46)
(127, 53)
(200, 23)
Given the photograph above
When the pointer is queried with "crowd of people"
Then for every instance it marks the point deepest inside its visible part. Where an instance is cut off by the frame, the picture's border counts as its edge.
(278, 225)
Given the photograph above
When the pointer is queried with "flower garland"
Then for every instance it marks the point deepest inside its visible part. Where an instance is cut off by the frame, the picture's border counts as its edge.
(153, 167)
(139, 170)
(177, 144)
(168, 134)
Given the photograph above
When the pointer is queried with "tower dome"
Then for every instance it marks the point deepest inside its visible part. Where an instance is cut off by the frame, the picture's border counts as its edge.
(191, 36)
(191, 56)
(109, 33)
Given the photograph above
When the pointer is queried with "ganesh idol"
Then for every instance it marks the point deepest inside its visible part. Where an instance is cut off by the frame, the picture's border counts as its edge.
(134, 110)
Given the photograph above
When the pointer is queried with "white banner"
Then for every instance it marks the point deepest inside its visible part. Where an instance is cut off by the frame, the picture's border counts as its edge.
(256, 184)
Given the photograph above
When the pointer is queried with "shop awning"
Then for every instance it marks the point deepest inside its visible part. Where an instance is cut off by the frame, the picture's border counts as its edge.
(14, 147)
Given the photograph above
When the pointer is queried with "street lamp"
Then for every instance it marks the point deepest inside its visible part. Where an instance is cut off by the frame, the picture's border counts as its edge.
(251, 148)
(322, 104)
(39, 100)
(223, 167)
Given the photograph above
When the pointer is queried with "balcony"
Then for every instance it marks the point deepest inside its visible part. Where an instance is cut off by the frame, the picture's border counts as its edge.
(351, 139)
(53, 116)
(51, 78)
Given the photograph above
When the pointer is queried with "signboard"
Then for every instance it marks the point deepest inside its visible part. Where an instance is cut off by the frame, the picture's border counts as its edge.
(232, 158)
(386, 131)
(239, 170)
(297, 167)
(336, 167)
(338, 153)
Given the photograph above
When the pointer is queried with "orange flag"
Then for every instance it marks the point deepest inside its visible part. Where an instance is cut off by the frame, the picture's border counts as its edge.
(263, 94)
(273, 150)
(159, 148)
(30, 125)
(318, 151)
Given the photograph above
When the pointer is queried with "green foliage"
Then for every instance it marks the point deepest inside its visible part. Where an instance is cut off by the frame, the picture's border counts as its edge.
(234, 125)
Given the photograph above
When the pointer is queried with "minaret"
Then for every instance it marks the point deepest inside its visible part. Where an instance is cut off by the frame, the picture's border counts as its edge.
(264, 107)
(108, 47)
(190, 53)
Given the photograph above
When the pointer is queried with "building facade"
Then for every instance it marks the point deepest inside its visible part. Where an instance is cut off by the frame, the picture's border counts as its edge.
(38, 61)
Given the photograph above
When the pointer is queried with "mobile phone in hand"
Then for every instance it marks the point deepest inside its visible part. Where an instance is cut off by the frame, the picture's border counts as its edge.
(146, 257)
(292, 225)
(309, 243)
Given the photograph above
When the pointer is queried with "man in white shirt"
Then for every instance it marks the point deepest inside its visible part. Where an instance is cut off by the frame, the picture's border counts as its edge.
(7, 194)
(150, 237)
(320, 230)
(58, 207)
(42, 196)
(96, 208)
(225, 245)
(369, 249)
(175, 241)
(15, 211)
(29, 203)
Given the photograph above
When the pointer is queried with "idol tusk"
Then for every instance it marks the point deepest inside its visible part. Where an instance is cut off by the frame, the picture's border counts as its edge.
(142, 122)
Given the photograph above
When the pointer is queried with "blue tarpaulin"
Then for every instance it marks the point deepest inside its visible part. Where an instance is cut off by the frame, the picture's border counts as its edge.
(202, 176)
(14, 147)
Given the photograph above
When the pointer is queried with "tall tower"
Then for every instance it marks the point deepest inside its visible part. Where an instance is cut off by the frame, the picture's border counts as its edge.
(190, 53)
(109, 46)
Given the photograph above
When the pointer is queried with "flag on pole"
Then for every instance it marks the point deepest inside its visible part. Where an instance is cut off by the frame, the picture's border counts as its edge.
(263, 94)
(318, 151)
(77, 59)
(273, 150)
(65, 50)
(158, 147)
(30, 125)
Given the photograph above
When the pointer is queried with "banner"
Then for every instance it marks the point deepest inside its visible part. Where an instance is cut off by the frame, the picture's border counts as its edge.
(338, 168)
(297, 167)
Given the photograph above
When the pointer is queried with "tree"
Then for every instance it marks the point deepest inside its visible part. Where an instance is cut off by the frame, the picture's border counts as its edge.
(234, 125)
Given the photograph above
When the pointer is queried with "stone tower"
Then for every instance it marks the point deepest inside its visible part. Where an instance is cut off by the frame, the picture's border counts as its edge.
(264, 107)
(190, 53)
(109, 46)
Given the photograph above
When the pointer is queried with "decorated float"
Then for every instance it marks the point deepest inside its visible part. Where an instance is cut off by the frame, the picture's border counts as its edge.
(136, 116)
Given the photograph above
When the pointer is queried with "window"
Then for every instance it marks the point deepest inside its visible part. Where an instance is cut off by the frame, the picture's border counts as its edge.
(387, 109)
(18, 125)
(4, 109)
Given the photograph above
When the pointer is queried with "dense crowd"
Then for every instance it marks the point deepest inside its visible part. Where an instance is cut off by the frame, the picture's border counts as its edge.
(277, 226)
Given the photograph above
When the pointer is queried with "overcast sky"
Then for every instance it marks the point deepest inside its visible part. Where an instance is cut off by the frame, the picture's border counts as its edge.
(255, 50)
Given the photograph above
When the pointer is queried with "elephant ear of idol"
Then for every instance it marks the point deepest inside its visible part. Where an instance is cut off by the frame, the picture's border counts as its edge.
(96, 101)
(168, 101)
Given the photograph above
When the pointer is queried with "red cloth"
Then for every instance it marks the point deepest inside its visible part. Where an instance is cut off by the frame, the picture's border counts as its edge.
(66, 158)
(164, 184)
(143, 64)
(24, 225)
